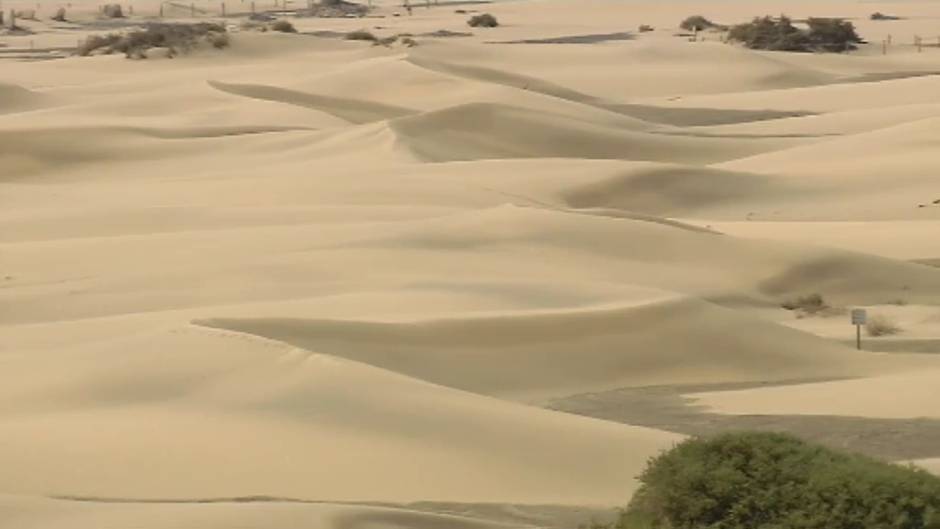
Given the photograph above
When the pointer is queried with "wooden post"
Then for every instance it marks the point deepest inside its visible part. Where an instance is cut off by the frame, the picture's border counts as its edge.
(161, 9)
(252, 7)
(130, 9)
(884, 47)
(223, 8)
(192, 10)
(919, 43)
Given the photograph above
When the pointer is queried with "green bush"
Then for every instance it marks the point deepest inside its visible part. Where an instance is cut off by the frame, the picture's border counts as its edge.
(178, 38)
(361, 35)
(697, 23)
(776, 481)
(485, 20)
(768, 33)
(832, 34)
(284, 26)
(779, 34)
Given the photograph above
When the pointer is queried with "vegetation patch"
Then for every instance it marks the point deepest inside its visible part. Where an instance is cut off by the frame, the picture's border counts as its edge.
(779, 34)
(362, 35)
(335, 9)
(808, 304)
(752, 480)
(282, 26)
(485, 20)
(881, 325)
(698, 23)
(175, 38)
(877, 15)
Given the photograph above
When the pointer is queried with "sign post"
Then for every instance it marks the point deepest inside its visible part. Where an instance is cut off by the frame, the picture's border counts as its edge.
(859, 318)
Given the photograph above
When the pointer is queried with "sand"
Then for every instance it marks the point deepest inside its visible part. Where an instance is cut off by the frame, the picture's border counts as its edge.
(356, 277)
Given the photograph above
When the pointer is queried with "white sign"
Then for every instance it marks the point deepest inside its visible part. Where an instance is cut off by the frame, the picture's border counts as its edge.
(859, 316)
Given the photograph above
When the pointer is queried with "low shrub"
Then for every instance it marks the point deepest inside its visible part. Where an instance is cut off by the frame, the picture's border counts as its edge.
(59, 15)
(752, 480)
(283, 26)
(177, 38)
(779, 34)
(361, 35)
(881, 16)
(809, 304)
(485, 20)
(409, 42)
(881, 325)
(832, 34)
(697, 23)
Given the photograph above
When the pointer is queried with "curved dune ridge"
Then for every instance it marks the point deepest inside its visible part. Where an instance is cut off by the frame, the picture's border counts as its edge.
(313, 282)
(481, 130)
(15, 99)
(351, 110)
(540, 355)
(196, 413)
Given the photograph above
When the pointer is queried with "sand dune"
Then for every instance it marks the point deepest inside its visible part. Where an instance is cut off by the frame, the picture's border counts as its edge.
(27, 513)
(479, 131)
(911, 395)
(351, 110)
(17, 99)
(194, 413)
(537, 356)
(316, 269)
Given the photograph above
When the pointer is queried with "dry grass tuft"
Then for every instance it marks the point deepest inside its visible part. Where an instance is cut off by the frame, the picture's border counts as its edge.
(881, 325)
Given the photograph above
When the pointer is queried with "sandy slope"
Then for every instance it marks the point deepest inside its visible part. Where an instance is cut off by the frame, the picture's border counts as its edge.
(312, 268)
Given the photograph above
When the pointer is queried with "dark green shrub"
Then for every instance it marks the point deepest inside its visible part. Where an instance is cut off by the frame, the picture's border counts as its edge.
(776, 481)
(361, 35)
(178, 38)
(779, 34)
(832, 34)
(283, 26)
(485, 20)
(697, 23)
(768, 33)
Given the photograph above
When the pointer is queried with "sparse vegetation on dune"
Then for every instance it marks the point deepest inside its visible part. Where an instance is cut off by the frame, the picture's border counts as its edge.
(809, 304)
(59, 15)
(485, 20)
(335, 9)
(780, 34)
(176, 38)
(362, 35)
(751, 480)
(283, 26)
(698, 23)
(881, 16)
(881, 325)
